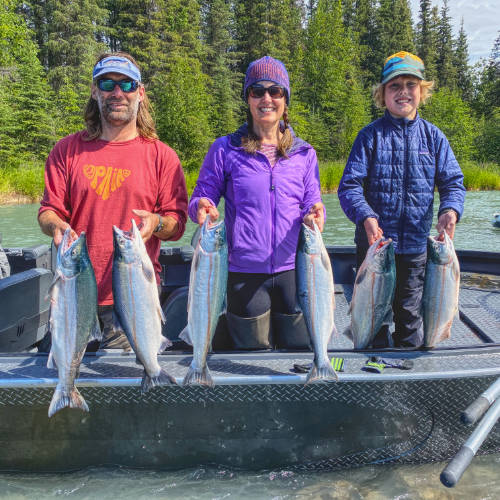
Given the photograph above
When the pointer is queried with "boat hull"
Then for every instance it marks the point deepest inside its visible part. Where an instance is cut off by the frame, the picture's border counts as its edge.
(360, 420)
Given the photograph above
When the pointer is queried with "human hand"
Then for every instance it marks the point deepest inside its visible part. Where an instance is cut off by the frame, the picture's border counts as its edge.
(447, 222)
(58, 234)
(149, 222)
(316, 214)
(205, 208)
(373, 230)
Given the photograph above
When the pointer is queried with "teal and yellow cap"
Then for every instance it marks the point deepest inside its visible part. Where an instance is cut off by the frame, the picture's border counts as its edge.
(402, 63)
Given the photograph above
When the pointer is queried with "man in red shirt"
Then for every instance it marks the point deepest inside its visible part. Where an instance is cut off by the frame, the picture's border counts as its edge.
(115, 170)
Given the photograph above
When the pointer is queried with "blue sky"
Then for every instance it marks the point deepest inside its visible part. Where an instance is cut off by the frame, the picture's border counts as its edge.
(481, 22)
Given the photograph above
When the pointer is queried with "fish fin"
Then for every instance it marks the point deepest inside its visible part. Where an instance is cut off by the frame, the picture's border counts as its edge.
(195, 376)
(148, 271)
(96, 333)
(348, 332)
(160, 313)
(51, 361)
(57, 277)
(186, 335)
(360, 276)
(62, 399)
(163, 378)
(322, 373)
(164, 344)
(116, 325)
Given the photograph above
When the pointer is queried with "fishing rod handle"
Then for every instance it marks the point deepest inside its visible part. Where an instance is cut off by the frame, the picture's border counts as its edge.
(475, 411)
(453, 471)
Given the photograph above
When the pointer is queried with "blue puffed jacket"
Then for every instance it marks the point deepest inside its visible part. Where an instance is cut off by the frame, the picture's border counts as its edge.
(391, 172)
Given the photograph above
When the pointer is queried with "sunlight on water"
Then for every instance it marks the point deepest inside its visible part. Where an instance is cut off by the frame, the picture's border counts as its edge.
(18, 225)
(480, 481)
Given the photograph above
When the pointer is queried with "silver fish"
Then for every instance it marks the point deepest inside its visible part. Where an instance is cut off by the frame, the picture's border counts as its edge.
(371, 304)
(441, 287)
(73, 319)
(137, 309)
(316, 295)
(207, 293)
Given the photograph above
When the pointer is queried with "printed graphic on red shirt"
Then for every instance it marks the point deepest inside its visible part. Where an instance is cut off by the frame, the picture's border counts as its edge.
(105, 180)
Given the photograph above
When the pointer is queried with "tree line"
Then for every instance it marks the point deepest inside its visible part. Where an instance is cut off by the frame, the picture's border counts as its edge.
(194, 53)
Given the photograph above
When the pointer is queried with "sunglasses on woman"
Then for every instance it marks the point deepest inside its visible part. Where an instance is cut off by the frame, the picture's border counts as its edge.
(258, 91)
(108, 85)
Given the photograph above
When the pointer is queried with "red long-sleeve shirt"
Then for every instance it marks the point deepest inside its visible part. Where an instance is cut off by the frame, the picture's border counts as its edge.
(94, 185)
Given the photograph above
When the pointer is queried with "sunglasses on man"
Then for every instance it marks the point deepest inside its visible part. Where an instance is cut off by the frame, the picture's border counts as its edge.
(108, 85)
(274, 91)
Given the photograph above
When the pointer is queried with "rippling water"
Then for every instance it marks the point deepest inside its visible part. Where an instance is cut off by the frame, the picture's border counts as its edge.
(481, 481)
(18, 224)
(415, 482)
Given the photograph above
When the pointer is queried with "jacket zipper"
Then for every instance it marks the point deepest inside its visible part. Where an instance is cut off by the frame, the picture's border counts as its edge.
(405, 181)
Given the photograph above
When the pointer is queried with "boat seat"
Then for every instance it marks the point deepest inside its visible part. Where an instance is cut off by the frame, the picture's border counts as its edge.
(24, 309)
(21, 259)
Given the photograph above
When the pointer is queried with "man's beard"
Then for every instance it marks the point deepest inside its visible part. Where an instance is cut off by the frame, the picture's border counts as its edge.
(124, 115)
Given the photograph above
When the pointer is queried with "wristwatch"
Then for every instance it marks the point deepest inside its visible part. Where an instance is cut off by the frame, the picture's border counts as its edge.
(159, 227)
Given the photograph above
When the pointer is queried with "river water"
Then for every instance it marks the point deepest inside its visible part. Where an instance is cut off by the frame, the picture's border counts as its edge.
(481, 481)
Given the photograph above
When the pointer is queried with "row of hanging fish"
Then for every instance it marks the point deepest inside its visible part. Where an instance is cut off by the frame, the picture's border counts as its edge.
(371, 304)
(73, 312)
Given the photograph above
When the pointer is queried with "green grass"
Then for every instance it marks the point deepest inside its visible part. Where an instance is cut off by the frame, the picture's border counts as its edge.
(27, 181)
(481, 177)
(330, 173)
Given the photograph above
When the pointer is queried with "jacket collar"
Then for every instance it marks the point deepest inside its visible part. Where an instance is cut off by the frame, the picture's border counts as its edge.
(401, 122)
(236, 137)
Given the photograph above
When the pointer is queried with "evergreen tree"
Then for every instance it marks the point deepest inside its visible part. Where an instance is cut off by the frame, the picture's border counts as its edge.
(461, 63)
(426, 39)
(446, 72)
(26, 132)
(220, 66)
(394, 31)
(182, 110)
(365, 31)
(333, 93)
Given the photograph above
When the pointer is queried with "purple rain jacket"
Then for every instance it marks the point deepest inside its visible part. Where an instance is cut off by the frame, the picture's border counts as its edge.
(264, 205)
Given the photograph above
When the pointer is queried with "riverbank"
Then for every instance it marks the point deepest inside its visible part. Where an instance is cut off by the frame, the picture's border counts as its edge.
(25, 185)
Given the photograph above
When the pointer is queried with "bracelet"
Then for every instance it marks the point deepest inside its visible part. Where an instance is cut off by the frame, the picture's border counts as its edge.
(159, 227)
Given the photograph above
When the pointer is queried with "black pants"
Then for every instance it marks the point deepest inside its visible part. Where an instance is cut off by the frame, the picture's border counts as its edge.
(407, 304)
(252, 294)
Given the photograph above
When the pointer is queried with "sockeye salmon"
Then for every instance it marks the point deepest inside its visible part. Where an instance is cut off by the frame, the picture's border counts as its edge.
(441, 287)
(73, 319)
(371, 304)
(137, 309)
(316, 295)
(207, 293)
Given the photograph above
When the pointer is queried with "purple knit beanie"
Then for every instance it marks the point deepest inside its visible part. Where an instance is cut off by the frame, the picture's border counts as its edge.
(267, 68)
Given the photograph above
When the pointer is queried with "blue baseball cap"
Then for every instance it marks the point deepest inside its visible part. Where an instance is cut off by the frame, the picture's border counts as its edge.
(116, 64)
(402, 63)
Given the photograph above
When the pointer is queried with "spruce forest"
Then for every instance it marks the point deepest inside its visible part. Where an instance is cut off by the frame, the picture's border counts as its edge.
(194, 53)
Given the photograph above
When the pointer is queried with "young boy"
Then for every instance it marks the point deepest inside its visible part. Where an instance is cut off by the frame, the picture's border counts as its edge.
(388, 188)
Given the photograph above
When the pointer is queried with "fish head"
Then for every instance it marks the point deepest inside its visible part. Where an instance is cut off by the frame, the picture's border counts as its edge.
(310, 240)
(440, 249)
(72, 256)
(212, 237)
(382, 254)
(127, 244)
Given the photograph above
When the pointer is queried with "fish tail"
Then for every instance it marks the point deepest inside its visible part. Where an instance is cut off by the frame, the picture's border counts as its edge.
(324, 372)
(63, 399)
(195, 376)
(163, 378)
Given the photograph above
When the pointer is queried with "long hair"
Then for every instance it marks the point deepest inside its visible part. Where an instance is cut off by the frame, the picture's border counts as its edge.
(252, 142)
(145, 123)
(379, 90)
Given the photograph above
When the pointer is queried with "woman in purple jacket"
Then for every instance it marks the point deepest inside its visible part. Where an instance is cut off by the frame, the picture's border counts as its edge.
(270, 182)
